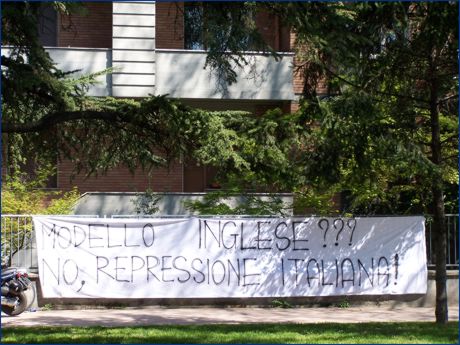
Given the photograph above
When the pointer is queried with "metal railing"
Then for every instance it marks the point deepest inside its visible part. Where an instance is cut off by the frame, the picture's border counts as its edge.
(18, 240)
(452, 242)
(18, 245)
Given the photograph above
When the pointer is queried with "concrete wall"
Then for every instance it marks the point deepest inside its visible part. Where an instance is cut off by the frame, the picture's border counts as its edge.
(108, 204)
(181, 74)
(140, 71)
(427, 300)
(85, 61)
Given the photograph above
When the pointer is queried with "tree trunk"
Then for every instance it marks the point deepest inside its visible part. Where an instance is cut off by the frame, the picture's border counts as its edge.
(438, 211)
(440, 255)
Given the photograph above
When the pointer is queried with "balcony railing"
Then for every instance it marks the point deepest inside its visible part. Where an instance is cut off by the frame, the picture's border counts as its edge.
(178, 73)
(181, 74)
(85, 61)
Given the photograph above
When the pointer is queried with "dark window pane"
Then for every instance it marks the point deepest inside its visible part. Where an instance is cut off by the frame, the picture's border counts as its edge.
(193, 26)
(47, 26)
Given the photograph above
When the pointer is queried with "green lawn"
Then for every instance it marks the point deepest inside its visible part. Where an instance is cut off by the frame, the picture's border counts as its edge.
(370, 333)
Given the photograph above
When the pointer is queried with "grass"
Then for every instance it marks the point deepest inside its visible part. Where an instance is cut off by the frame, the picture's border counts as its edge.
(369, 333)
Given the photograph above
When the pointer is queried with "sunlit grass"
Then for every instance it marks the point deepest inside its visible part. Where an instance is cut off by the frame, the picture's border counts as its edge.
(370, 333)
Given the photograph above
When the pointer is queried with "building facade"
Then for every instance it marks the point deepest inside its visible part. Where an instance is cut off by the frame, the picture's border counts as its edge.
(153, 48)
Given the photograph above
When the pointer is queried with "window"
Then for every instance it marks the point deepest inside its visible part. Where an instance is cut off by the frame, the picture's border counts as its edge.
(47, 26)
(193, 26)
(236, 28)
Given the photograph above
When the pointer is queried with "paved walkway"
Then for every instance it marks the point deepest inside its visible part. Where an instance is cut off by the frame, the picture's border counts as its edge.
(204, 315)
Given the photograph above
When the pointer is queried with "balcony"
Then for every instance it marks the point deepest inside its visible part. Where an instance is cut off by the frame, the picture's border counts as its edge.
(178, 73)
(85, 61)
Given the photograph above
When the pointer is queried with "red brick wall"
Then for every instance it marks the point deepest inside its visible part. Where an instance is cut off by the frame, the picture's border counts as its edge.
(92, 29)
(168, 180)
(274, 34)
(169, 25)
(290, 107)
(194, 179)
(298, 80)
(199, 178)
(298, 72)
(121, 180)
(170, 28)
(269, 29)
(285, 39)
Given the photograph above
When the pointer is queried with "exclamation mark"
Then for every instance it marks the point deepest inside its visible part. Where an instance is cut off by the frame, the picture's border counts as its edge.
(396, 268)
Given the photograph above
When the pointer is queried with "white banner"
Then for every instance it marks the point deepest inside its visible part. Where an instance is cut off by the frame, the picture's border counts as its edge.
(230, 257)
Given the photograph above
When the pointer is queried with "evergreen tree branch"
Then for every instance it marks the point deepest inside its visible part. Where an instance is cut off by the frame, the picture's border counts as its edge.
(53, 119)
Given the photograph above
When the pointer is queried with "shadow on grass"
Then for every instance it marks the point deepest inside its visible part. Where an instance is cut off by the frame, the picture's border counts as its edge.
(407, 332)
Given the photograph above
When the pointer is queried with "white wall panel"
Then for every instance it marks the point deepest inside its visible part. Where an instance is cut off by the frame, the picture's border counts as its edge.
(133, 47)
(133, 31)
(134, 8)
(133, 43)
(133, 79)
(137, 20)
(132, 91)
(130, 55)
(134, 67)
(86, 61)
(180, 74)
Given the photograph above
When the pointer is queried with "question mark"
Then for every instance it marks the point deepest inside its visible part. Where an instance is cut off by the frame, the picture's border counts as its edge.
(352, 229)
(81, 287)
(322, 220)
(341, 229)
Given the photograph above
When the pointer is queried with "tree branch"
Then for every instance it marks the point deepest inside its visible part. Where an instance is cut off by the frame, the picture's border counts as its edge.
(61, 117)
(377, 92)
(449, 138)
(448, 98)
